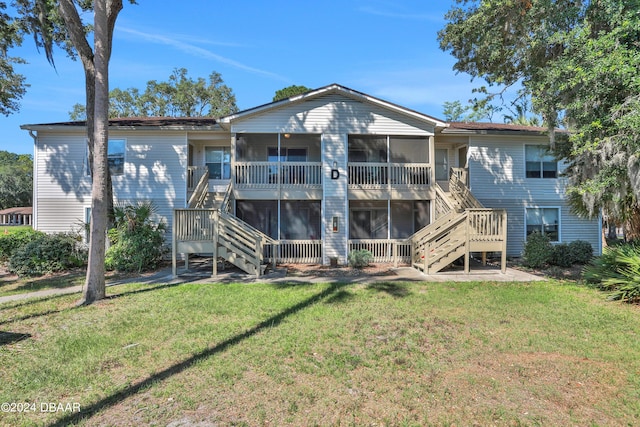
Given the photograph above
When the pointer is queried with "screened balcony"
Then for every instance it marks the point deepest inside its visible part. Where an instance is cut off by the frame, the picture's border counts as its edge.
(385, 162)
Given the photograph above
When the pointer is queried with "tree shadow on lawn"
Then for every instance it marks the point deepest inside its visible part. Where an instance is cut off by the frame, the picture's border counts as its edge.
(68, 308)
(12, 337)
(54, 281)
(270, 323)
(395, 289)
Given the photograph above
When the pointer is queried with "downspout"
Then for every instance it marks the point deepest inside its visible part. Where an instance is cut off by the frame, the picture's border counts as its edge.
(34, 193)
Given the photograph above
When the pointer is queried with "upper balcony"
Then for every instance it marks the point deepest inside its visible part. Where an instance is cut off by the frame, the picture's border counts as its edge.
(380, 176)
(298, 164)
(272, 175)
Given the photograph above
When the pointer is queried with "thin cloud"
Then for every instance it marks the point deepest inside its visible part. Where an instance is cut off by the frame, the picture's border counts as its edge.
(191, 49)
(406, 16)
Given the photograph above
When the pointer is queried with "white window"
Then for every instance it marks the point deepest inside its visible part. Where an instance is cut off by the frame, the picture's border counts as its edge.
(442, 164)
(544, 221)
(218, 160)
(539, 163)
(115, 156)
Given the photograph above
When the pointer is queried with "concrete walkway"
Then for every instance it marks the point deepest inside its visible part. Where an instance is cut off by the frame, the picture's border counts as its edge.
(202, 274)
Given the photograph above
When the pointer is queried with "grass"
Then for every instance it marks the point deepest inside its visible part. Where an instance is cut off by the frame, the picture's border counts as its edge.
(542, 353)
(11, 284)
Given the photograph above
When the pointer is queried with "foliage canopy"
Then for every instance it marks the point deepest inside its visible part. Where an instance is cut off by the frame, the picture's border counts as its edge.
(180, 96)
(578, 61)
(290, 91)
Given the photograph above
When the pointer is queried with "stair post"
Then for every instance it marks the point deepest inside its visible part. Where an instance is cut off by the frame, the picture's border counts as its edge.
(427, 250)
(466, 242)
(259, 255)
(503, 229)
(216, 219)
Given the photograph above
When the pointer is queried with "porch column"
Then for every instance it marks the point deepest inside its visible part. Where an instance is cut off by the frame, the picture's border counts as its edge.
(234, 159)
(432, 160)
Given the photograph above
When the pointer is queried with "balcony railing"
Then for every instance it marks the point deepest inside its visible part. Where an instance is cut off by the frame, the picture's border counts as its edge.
(383, 175)
(275, 174)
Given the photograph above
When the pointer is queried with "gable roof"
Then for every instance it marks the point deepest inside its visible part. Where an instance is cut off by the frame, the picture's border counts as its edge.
(332, 89)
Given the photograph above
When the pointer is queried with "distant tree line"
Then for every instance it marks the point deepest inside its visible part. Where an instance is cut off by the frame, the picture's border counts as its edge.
(16, 180)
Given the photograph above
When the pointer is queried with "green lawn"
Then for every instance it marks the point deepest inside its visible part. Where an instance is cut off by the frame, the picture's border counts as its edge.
(542, 353)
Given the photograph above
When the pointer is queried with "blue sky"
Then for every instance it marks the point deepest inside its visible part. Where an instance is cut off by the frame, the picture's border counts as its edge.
(386, 49)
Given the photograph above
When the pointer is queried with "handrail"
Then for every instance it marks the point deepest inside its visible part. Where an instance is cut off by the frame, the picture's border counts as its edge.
(451, 222)
(443, 203)
(249, 228)
(194, 173)
(225, 205)
(461, 173)
(462, 194)
(200, 193)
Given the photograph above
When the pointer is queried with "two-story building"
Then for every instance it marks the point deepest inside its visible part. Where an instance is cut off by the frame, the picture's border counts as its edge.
(313, 177)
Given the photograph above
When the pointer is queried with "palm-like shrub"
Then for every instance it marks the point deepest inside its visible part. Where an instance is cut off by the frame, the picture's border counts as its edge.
(137, 242)
(617, 271)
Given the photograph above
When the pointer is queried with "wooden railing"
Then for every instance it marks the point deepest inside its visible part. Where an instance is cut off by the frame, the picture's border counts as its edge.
(461, 174)
(200, 193)
(194, 173)
(210, 230)
(410, 174)
(457, 234)
(485, 227)
(274, 174)
(298, 251)
(442, 204)
(461, 193)
(381, 175)
(225, 205)
(383, 250)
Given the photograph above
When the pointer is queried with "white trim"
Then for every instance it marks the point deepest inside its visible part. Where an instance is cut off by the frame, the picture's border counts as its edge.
(87, 168)
(524, 165)
(600, 234)
(34, 179)
(333, 88)
(323, 206)
(559, 208)
(223, 147)
(345, 168)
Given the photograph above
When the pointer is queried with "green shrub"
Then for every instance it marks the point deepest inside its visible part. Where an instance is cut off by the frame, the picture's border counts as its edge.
(47, 253)
(617, 271)
(137, 242)
(14, 240)
(360, 258)
(538, 251)
(581, 251)
(562, 255)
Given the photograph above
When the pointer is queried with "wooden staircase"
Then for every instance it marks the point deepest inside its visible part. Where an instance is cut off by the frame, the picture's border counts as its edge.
(462, 226)
(207, 226)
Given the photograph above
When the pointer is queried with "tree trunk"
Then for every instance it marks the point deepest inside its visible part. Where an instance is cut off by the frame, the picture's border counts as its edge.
(95, 281)
(105, 13)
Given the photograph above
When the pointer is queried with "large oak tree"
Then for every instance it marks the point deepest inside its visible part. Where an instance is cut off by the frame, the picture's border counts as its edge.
(579, 62)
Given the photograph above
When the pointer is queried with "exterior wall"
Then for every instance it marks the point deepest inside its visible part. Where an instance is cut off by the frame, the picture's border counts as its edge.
(155, 170)
(334, 117)
(62, 186)
(497, 178)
